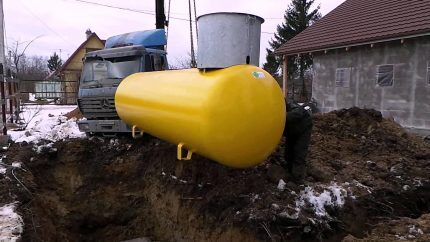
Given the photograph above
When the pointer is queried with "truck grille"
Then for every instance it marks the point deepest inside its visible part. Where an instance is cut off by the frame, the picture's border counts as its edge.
(97, 108)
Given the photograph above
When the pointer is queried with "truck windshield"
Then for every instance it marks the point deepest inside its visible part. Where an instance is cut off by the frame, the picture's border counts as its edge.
(96, 70)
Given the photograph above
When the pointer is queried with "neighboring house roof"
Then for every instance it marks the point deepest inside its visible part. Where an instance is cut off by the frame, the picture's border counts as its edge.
(356, 22)
(64, 66)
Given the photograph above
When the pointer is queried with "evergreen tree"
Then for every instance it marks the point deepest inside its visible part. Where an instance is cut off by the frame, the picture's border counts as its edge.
(299, 15)
(54, 62)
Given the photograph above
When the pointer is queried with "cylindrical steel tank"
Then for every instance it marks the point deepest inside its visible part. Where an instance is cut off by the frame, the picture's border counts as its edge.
(234, 116)
(227, 39)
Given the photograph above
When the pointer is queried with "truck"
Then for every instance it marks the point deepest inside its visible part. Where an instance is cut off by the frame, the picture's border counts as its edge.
(103, 71)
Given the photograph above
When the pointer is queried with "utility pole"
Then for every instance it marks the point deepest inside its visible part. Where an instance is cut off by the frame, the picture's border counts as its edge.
(160, 16)
(2, 53)
(2, 72)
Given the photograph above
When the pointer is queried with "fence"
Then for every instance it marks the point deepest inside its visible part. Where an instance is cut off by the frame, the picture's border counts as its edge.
(48, 92)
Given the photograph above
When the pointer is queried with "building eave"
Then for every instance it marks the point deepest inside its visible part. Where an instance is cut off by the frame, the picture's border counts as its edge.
(325, 49)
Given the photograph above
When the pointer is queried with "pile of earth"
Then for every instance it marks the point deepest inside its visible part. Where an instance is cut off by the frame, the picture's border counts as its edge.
(75, 113)
(364, 171)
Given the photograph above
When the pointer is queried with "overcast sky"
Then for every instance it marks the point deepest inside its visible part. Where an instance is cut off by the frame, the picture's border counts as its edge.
(61, 24)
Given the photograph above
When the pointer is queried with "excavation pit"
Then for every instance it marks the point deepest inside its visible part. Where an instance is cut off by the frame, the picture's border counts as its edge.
(364, 172)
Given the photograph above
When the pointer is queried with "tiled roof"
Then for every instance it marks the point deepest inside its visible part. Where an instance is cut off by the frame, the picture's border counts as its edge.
(357, 22)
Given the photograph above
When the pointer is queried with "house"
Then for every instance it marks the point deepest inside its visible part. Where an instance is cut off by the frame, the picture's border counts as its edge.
(371, 54)
(70, 71)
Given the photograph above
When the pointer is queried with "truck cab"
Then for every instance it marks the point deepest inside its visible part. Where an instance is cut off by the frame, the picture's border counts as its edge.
(104, 70)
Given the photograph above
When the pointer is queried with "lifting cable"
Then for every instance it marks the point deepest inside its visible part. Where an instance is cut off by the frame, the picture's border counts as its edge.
(193, 57)
(168, 23)
(195, 19)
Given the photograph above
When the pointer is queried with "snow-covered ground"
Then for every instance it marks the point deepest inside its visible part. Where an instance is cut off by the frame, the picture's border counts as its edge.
(46, 123)
(11, 224)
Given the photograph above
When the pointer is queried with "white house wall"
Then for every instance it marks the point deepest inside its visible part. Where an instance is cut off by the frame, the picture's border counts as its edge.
(407, 101)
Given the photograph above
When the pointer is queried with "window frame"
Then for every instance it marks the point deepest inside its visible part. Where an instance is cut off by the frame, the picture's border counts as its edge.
(347, 82)
(428, 73)
(378, 73)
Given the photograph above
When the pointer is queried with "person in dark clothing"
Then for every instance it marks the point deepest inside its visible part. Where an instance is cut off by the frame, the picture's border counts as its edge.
(297, 132)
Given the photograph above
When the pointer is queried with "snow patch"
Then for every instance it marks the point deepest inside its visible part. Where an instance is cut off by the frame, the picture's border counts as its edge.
(318, 198)
(11, 224)
(47, 123)
(32, 97)
(255, 197)
(281, 185)
(359, 185)
(413, 230)
(41, 148)
(418, 182)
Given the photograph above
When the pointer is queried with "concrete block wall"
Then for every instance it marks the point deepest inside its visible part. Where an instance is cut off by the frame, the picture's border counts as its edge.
(407, 101)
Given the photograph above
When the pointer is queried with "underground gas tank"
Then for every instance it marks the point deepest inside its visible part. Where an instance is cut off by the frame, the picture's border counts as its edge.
(234, 116)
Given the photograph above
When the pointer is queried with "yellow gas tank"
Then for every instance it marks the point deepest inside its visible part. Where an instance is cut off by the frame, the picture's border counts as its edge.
(234, 116)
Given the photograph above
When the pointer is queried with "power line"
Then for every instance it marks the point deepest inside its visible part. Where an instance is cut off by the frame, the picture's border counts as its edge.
(116, 7)
(148, 12)
(125, 9)
(46, 25)
(168, 24)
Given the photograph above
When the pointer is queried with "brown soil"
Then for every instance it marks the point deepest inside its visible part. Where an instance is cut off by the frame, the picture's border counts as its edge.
(399, 229)
(102, 189)
(75, 113)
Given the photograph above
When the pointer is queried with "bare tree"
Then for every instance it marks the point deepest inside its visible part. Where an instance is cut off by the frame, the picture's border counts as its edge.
(33, 68)
(184, 62)
(28, 115)
(17, 53)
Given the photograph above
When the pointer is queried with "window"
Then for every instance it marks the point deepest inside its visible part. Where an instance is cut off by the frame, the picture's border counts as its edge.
(385, 75)
(428, 72)
(343, 77)
(116, 68)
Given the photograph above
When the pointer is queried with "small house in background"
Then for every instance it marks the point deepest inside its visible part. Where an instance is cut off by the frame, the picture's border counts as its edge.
(71, 70)
(371, 54)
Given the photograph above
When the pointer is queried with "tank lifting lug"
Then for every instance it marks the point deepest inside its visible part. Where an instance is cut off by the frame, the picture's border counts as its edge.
(180, 157)
(133, 132)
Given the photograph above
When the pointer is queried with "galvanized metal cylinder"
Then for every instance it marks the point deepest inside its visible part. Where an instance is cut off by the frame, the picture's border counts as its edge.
(227, 39)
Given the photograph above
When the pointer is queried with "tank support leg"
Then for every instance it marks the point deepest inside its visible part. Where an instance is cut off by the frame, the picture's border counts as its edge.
(180, 157)
(133, 132)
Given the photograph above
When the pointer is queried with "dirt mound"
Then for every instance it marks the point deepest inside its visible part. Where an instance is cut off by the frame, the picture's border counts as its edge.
(353, 140)
(75, 113)
(400, 229)
(363, 170)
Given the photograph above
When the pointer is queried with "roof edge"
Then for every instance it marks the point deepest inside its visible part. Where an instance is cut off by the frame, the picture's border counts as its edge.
(280, 52)
(67, 62)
